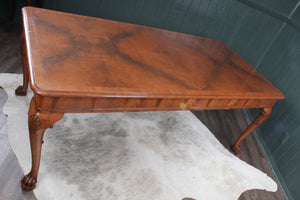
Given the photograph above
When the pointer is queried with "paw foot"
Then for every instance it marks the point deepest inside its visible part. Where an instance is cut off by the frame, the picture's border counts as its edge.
(20, 91)
(28, 182)
(236, 149)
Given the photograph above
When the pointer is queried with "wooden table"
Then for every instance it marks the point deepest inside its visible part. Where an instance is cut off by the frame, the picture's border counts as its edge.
(79, 64)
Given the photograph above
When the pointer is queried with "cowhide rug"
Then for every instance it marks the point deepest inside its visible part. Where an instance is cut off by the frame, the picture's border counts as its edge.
(129, 156)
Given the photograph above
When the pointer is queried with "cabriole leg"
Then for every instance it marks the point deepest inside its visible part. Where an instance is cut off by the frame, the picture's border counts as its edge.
(264, 114)
(22, 90)
(38, 123)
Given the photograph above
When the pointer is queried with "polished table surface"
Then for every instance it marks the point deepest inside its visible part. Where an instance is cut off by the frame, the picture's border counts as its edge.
(83, 64)
(75, 55)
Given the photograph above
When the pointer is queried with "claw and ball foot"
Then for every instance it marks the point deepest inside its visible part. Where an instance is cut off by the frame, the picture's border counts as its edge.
(21, 91)
(28, 182)
(236, 149)
(37, 123)
(264, 114)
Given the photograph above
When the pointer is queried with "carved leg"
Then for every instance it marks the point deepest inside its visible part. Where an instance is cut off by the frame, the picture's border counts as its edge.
(38, 123)
(22, 90)
(264, 114)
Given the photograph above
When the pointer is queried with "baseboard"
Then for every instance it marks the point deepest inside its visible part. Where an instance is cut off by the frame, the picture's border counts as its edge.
(270, 159)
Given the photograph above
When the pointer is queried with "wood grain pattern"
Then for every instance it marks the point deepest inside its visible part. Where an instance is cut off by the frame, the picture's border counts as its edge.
(83, 64)
(72, 55)
(81, 104)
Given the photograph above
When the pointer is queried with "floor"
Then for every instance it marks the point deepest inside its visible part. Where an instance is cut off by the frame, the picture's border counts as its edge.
(225, 124)
(10, 62)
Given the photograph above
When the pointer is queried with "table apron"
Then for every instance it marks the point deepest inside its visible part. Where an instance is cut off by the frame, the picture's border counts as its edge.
(81, 104)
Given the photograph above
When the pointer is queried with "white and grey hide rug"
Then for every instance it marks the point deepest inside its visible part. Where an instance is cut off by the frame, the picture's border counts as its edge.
(129, 156)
